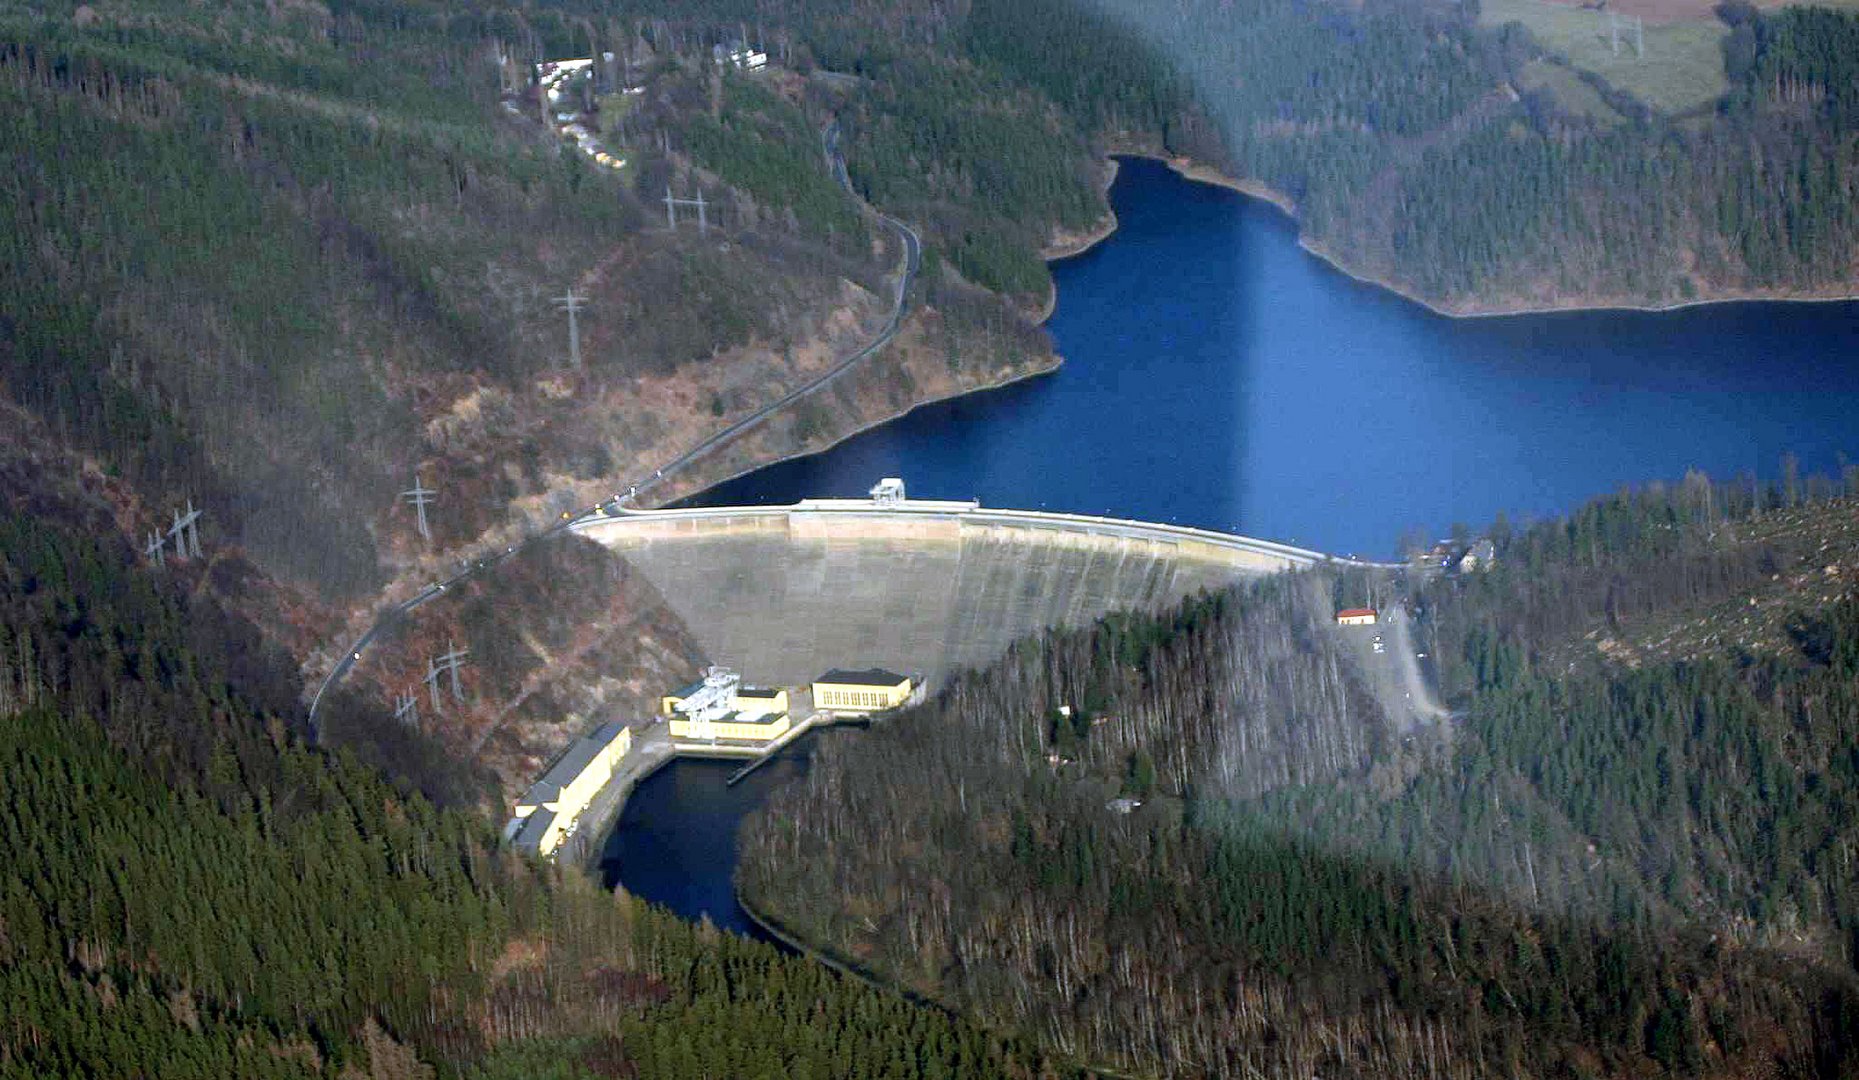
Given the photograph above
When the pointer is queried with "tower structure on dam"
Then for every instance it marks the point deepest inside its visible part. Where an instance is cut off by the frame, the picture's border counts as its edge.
(911, 585)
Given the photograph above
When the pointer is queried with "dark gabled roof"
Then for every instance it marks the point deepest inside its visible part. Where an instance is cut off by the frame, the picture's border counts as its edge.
(573, 763)
(687, 691)
(869, 677)
(529, 837)
(759, 691)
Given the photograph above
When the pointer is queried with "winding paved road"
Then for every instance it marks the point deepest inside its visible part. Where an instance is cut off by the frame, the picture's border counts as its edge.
(907, 272)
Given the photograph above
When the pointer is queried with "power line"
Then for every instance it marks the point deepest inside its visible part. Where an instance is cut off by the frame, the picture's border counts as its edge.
(449, 663)
(421, 497)
(671, 211)
(186, 532)
(1637, 26)
(571, 303)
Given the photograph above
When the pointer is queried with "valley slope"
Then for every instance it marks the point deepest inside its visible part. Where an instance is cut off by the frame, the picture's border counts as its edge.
(1592, 868)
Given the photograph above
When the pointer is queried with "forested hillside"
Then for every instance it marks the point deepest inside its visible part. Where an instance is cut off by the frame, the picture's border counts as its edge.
(282, 262)
(191, 891)
(344, 227)
(1454, 154)
(1462, 152)
(278, 259)
(1596, 867)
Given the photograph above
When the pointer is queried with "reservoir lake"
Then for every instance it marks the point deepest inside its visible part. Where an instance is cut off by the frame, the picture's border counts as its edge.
(1218, 375)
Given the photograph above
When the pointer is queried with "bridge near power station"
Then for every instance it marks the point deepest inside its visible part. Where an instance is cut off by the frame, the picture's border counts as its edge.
(785, 592)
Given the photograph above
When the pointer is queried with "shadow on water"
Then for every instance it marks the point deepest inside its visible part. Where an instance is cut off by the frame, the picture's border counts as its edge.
(1218, 375)
(675, 841)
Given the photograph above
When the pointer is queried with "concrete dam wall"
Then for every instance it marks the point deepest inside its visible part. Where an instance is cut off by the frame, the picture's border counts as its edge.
(783, 593)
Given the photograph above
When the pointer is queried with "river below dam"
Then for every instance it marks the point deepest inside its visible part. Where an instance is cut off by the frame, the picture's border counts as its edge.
(675, 841)
(1218, 375)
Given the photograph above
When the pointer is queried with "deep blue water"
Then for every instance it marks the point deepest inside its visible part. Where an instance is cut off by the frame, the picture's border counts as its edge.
(675, 842)
(1218, 375)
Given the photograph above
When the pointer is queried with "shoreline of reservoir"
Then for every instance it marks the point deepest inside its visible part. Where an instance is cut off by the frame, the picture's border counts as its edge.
(1161, 345)
(1066, 247)
(1036, 372)
(1188, 169)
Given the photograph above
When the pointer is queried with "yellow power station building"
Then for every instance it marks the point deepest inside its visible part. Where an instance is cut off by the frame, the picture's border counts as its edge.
(747, 699)
(872, 690)
(718, 706)
(547, 811)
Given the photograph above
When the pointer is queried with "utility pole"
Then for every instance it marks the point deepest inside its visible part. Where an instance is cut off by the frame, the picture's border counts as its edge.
(421, 497)
(1613, 29)
(186, 532)
(407, 709)
(157, 548)
(671, 211)
(1639, 35)
(571, 303)
(443, 665)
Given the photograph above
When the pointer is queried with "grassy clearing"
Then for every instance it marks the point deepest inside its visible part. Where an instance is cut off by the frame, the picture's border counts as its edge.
(1682, 68)
(1572, 94)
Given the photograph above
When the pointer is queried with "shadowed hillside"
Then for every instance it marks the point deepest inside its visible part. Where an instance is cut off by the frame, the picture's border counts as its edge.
(1598, 866)
(279, 260)
(193, 892)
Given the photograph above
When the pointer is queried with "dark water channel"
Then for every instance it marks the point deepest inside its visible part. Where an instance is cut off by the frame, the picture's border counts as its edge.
(1217, 375)
(675, 841)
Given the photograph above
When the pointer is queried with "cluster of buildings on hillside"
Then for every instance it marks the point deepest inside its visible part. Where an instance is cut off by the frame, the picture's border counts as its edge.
(717, 713)
(556, 81)
(553, 78)
(1461, 556)
(740, 56)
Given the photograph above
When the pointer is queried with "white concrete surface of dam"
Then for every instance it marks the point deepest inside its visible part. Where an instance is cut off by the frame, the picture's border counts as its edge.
(784, 593)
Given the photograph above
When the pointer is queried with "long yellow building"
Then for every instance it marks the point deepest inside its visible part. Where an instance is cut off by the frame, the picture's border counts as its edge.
(868, 691)
(548, 810)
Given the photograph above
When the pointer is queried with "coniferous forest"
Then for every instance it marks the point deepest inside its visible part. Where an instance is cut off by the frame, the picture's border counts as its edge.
(1594, 867)
(1418, 144)
(325, 226)
(193, 891)
(280, 259)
